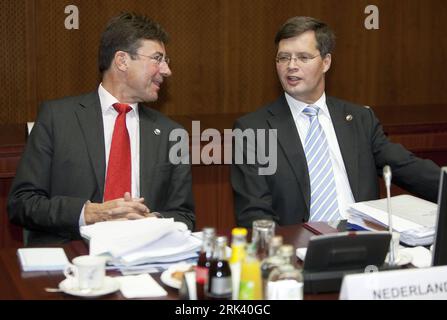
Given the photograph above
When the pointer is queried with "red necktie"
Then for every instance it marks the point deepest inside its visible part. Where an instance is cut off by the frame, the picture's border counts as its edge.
(119, 167)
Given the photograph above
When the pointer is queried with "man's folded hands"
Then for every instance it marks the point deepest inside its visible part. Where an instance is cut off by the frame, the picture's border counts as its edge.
(126, 208)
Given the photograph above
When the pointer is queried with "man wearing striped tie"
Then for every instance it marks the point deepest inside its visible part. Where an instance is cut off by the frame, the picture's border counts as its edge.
(329, 151)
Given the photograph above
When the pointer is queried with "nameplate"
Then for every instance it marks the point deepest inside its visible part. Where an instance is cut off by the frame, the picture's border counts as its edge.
(429, 283)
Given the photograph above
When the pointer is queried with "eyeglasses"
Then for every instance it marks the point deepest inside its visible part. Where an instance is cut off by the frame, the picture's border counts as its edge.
(302, 57)
(157, 58)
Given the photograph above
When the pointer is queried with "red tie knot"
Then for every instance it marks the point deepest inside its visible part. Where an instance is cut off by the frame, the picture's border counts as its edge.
(122, 107)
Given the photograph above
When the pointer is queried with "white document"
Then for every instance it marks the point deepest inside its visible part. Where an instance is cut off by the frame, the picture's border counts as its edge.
(301, 253)
(420, 256)
(140, 286)
(42, 259)
(143, 241)
(120, 237)
(413, 218)
(173, 246)
(152, 267)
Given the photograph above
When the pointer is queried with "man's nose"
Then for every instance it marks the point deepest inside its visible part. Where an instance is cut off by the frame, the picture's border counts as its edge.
(293, 63)
(165, 71)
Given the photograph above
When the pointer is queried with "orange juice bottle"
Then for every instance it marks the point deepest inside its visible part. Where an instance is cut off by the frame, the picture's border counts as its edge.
(238, 243)
(250, 287)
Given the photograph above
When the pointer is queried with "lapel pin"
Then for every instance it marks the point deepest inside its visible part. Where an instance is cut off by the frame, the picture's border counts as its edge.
(349, 117)
(157, 132)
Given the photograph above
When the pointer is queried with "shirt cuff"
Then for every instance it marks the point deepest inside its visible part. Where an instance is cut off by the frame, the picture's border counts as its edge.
(157, 214)
(81, 217)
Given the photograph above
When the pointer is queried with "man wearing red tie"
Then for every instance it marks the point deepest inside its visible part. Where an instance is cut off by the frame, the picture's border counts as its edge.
(104, 156)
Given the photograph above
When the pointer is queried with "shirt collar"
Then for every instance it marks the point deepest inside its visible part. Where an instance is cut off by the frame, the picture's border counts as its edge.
(107, 100)
(299, 106)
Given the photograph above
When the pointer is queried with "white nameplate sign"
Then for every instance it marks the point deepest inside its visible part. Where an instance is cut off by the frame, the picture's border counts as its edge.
(429, 283)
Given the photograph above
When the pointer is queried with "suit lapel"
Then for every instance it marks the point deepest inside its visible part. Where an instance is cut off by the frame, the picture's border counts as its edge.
(290, 142)
(90, 119)
(347, 141)
(149, 145)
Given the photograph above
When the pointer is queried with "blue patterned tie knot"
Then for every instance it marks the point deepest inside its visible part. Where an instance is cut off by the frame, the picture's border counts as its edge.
(311, 111)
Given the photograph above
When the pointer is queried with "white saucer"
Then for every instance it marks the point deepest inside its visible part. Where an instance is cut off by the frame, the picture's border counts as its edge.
(403, 258)
(110, 285)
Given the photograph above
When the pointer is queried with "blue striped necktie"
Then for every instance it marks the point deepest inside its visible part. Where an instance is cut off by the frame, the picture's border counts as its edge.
(323, 198)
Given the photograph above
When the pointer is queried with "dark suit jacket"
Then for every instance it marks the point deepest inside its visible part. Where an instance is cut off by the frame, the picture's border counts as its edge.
(63, 166)
(285, 195)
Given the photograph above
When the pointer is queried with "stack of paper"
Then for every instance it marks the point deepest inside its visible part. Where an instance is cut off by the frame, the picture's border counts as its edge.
(42, 259)
(412, 217)
(142, 242)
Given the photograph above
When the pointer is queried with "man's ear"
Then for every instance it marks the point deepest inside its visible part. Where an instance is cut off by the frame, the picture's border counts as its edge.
(120, 60)
(327, 62)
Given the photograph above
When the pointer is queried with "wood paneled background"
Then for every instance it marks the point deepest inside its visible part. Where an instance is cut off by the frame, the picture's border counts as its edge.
(223, 52)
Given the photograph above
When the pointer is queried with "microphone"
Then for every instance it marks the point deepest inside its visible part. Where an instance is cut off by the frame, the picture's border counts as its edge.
(387, 177)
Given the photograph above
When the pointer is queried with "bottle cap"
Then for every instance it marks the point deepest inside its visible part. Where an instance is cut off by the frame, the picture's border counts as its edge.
(276, 241)
(239, 232)
(209, 231)
(221, 241)
(286, 250)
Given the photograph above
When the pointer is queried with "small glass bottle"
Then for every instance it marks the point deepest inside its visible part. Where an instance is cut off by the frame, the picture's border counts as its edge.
(251, 279)
(219, 276)
(238, 244)
(273, 261)
(204, 262)
(286, 281)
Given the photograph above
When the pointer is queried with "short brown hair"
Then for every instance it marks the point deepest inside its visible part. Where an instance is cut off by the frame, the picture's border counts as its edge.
(124, 33)
(298, 25)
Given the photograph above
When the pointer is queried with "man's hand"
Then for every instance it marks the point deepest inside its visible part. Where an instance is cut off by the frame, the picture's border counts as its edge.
(126, 208)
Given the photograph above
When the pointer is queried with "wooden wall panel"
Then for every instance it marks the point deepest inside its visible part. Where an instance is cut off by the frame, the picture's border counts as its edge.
(223, 52)
(13, 57)
(213, 196)
(206, 185)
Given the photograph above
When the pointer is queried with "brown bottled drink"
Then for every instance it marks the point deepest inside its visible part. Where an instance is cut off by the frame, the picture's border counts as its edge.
(219, 276)
(204, 262)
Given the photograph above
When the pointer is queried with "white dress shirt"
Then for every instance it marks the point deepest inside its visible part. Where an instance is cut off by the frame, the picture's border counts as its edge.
(109, 115)
(344, 193)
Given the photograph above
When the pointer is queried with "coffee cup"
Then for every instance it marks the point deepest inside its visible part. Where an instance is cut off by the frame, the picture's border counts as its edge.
(86, 272)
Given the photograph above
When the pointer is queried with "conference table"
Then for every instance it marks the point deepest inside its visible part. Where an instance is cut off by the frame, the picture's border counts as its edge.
(16, 284)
